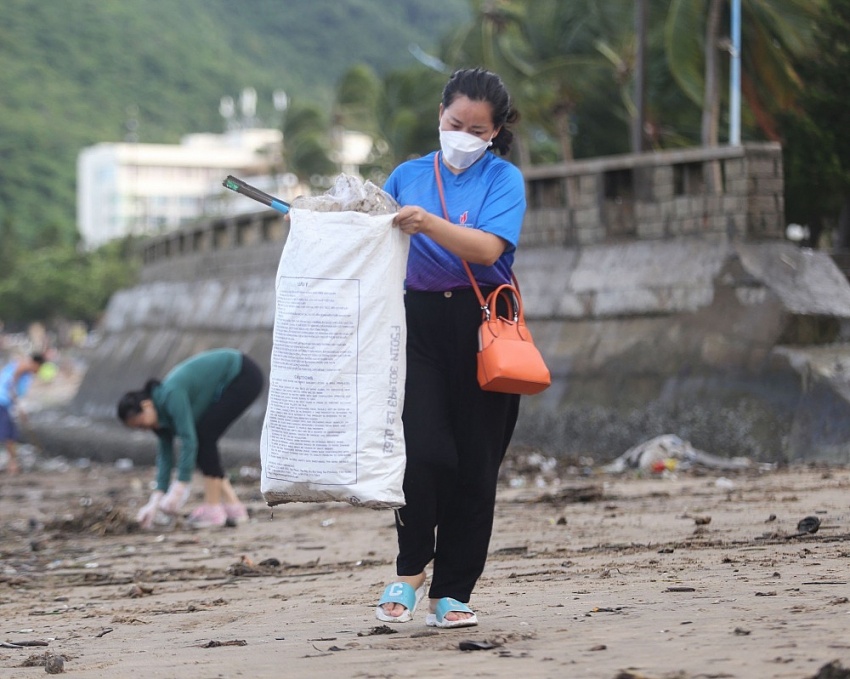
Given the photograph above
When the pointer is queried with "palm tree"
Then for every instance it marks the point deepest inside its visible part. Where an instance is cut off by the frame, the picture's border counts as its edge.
(826, 146)
(639, 115)
(549, 53)
(774, 32)
(407, 115)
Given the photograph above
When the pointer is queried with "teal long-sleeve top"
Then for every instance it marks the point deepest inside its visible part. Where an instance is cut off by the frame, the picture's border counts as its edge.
(182, 398)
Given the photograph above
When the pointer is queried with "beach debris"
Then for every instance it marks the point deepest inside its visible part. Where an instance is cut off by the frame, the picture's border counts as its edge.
(137, 591)
(98, 517)
(531, 468)
(569, 495)
(378, 630)
(54, 664)
(832, 670)
(483, 645)
(22, 644)
(247, 567)
(124, 464)
(668, 452)
(215, 644)
(809, 524)
(350, 194)
(249, 473)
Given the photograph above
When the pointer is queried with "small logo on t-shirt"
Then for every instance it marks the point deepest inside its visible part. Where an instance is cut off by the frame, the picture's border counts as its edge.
(464, 217)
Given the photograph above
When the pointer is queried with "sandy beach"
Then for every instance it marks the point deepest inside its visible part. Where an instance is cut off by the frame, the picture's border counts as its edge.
(689, 574)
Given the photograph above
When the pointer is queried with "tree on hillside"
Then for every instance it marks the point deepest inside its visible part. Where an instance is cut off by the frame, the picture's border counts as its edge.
(61, 283)
(357, 97)
(306, 142)
(825, 101)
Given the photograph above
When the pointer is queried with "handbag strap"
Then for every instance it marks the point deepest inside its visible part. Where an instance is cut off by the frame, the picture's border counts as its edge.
(446, 216)
(481, 300)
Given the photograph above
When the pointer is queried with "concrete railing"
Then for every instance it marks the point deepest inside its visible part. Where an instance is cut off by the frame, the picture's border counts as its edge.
(734, 192)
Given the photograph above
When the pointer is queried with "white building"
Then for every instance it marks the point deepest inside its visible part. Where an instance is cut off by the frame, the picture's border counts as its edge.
(142, 189)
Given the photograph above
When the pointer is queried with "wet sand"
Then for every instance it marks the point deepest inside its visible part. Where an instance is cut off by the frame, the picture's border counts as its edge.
(601, 576)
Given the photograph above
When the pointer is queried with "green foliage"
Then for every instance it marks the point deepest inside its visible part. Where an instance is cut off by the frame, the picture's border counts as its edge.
(817, 136)
(357, 98)
(306, 134)
(828, 80)
(408, 113)
(61, 282)
(813, 175)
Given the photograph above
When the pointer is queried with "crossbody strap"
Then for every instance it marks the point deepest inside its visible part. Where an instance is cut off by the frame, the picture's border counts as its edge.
(446, 216)
(465, 263)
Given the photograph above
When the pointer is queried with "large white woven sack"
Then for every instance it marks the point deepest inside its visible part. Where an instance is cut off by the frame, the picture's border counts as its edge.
(332, 429)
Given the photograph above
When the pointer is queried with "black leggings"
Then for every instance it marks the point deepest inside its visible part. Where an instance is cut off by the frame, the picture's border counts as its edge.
(235, 399)
(456, 435)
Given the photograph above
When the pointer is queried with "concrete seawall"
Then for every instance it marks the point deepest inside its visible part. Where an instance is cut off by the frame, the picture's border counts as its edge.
(736, 347)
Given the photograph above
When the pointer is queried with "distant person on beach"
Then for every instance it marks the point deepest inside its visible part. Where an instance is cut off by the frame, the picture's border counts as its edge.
(15, 380)
(196, 402)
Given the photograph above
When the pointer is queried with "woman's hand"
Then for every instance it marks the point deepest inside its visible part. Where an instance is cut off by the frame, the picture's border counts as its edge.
(147, 514)
(473, 245)
(175, 498)
(413, 219)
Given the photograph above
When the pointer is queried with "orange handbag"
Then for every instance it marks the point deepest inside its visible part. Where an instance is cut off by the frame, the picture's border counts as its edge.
(508, 360)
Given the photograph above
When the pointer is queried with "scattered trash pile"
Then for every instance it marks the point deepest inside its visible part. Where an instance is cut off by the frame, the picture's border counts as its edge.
(350, 194)
(663, 454)
(668, 453)
(100, 518)
(531, 468)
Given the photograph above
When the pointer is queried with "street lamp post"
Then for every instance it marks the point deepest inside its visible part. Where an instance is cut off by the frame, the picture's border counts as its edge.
(735, 77)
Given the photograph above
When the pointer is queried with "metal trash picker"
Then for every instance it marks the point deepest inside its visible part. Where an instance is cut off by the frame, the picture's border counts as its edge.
(235, 184)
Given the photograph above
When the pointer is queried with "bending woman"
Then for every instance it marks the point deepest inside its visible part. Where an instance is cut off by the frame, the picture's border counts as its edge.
(196, 402)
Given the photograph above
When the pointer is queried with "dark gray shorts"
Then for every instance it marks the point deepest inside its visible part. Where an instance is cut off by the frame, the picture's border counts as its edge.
(8, 429)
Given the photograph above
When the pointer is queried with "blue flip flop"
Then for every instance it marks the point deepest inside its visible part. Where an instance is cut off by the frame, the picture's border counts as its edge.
(448, 605)
(400, 593)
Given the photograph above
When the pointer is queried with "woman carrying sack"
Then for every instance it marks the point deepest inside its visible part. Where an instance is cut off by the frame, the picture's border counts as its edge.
(456, 434)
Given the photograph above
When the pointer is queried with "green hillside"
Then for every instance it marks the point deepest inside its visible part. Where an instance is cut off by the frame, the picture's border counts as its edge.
(76, 71)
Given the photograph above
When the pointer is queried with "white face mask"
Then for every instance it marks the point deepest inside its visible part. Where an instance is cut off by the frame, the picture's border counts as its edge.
(461, 149)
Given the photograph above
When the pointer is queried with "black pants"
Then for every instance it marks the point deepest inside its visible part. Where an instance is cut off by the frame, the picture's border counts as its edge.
(456, 436)
(235, 399)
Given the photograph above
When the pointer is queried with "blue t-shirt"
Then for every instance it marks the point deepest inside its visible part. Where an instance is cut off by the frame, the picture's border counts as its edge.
(8, 389)
(489, 195)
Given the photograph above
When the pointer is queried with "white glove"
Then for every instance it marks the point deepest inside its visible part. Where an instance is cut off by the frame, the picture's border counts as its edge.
(147, 514)
(175, 498)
